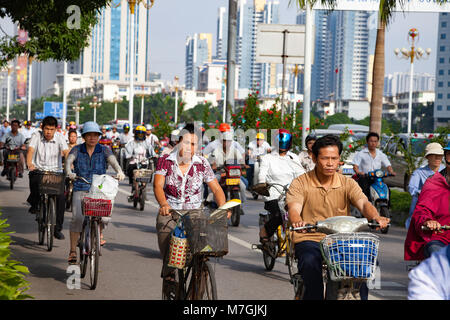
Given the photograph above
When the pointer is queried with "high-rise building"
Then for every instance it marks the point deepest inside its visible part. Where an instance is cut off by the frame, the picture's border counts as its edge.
(250, 13)
(222, 34)
(108, 54)
(399, 82)
(198, 52)
(344, 44)
(442, 102)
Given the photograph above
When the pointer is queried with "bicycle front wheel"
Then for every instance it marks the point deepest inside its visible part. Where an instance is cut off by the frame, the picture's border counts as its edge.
(50, 222)
(202, 285)
(94, 254)
(41, 221)
(83, 246)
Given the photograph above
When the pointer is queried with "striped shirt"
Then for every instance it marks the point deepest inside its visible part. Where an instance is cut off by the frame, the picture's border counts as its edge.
(47, 153)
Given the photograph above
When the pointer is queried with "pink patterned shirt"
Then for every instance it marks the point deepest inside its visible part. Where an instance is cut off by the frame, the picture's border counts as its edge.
(184, 192)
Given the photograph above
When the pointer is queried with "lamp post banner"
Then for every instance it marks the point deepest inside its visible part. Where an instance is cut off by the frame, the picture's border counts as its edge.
(373, 5)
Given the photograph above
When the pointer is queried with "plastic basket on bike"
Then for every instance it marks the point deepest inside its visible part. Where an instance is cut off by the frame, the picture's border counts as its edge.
(206, 235)
(97, 206)
(51, 183)
(351, 255)
(143, 175)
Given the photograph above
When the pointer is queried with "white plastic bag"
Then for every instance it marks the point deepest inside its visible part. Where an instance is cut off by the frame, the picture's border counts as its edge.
(104, 185)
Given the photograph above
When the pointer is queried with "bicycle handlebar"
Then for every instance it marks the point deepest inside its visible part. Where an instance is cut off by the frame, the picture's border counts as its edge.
(444, 227)
(310, 227)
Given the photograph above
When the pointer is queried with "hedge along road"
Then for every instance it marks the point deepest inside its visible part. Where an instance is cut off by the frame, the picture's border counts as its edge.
(130, 264)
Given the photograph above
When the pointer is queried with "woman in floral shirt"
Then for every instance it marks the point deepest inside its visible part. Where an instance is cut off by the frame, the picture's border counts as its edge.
(178, 185)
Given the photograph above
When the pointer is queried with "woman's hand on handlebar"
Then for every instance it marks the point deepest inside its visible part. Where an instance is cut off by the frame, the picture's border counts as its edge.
(165, 210)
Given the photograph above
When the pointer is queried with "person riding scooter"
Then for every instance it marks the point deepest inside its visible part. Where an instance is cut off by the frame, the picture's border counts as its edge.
(227, 153)
(256, 148)
(137, 151)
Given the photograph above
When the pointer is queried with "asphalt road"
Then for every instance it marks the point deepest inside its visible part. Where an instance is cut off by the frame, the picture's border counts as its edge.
(130, 263)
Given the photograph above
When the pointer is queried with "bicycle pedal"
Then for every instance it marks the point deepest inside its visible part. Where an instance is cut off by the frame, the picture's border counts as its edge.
(258, 246)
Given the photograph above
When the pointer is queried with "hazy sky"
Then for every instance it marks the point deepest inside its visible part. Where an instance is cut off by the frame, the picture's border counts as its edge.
(173, 20)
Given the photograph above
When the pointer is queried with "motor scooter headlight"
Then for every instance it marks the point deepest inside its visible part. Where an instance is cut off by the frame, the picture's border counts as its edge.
(379, 174)
(235, 172)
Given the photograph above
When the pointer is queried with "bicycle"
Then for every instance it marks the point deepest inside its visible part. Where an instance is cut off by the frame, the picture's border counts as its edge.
(280, 244)
(51, 185)
(207, 236)
(94, 208)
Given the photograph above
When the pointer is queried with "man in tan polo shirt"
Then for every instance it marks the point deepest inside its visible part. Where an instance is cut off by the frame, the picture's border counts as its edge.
(315, 196)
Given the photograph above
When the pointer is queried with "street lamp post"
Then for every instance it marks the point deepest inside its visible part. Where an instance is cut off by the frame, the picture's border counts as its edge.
(30, 75)
(176, 100)
(411, 55)
(95, 104)
(10, 69)
(142, 95)
(77, 109)
(116, 100)
(132, 4)
(296, 70)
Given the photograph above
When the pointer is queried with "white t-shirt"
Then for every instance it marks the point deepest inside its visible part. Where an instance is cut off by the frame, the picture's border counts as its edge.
(137, 150)
(27, 133)
(258, 151)
(218, 144)
(152, 139)
(125, 138)
(219, 157)
(277, 169)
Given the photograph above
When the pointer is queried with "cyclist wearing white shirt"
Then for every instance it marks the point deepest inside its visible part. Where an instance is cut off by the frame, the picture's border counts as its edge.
(277, 167)
(136, 151)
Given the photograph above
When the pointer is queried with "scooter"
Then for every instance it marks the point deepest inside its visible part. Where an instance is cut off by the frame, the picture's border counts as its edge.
(230, 179)
(349, 253)
(12, 156)
(379, 194)
(116, 148)
(143, 176)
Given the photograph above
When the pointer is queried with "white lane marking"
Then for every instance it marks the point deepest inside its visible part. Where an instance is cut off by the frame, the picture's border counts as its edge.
(127, 193)
(240, 242)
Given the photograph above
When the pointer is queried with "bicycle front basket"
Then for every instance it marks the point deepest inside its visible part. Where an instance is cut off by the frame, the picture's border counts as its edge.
(206, 235)
(97, 207)
(51, 183)
(143, 175)
(350, 255)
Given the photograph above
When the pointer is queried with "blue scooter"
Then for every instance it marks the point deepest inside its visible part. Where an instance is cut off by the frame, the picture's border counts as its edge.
(379, 193)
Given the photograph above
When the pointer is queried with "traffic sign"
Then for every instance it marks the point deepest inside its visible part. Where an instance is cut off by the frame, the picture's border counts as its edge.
(39, 115)
(52, 108)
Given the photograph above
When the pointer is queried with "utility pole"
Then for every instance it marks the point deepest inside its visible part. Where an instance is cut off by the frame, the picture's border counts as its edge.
(231, 56)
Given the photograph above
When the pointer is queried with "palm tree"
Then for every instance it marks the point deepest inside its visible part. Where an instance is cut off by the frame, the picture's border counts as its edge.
(386, 10)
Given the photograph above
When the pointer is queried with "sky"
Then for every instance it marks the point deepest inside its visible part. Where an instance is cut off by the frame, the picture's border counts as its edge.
(171, 21)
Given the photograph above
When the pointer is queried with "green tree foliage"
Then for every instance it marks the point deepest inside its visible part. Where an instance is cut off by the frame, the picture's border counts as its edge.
(12, 273)
(50, 28)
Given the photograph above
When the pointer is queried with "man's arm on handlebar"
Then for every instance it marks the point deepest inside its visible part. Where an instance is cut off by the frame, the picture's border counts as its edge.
(371, 213)
(29, 159)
